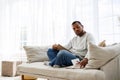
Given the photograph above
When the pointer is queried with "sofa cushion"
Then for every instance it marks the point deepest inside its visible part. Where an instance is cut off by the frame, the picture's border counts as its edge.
(38, 68)
(98, 56)
(36, 53)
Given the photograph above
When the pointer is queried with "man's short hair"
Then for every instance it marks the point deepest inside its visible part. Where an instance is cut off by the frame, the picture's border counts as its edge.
(77, 22)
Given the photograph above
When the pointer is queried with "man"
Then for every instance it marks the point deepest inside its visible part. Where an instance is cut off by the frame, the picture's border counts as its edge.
(76, 48)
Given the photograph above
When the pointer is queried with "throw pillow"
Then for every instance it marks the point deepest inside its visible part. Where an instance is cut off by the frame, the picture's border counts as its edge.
(98, 56)
(36, 53)
(102, 44)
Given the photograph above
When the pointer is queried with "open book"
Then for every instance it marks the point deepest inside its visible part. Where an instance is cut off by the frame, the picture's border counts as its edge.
(75, 65)
(60, 47)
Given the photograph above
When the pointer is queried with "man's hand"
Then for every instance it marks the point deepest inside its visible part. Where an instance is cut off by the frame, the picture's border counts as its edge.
(55, 46)
(83, 63)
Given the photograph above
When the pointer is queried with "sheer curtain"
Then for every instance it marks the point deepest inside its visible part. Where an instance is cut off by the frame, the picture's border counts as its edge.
(9, 30)
(109, 21)
(42, 22)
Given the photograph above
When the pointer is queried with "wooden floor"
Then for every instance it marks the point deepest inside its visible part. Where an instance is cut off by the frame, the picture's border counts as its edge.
(10, 78)
(15, 78)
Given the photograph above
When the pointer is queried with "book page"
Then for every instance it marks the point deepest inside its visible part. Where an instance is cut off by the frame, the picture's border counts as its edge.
(75, 65)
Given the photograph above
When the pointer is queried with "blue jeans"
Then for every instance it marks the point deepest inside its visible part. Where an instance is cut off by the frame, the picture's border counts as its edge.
(61, 58)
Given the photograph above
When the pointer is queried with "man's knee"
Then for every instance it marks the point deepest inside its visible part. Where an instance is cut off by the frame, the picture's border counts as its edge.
(49, 50)
(61, 53)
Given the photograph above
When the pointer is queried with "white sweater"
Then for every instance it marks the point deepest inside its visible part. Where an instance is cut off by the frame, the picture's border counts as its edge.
(79, 45)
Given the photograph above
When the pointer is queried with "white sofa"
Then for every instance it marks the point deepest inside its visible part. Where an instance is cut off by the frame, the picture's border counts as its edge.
(109, 71)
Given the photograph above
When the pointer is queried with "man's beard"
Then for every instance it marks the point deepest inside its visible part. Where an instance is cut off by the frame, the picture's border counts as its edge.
(82, 33)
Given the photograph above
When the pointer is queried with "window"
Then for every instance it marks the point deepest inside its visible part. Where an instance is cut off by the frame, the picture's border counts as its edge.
(109, 20)
(31, 22)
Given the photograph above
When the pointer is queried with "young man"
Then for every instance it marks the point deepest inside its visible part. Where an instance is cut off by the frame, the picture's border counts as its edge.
(76, 48)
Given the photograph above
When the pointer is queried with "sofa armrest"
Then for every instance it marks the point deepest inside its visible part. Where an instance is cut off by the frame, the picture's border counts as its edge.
(119, 66)
(111, 69)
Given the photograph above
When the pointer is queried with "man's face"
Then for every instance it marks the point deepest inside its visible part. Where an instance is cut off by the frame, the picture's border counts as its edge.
(77, 28)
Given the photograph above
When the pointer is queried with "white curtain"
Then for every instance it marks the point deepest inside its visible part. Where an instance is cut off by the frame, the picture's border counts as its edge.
(42, 22)
(109, 21)
(9, 29)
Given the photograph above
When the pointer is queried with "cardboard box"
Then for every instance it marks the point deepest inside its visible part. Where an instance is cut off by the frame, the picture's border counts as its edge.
(9, 68)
